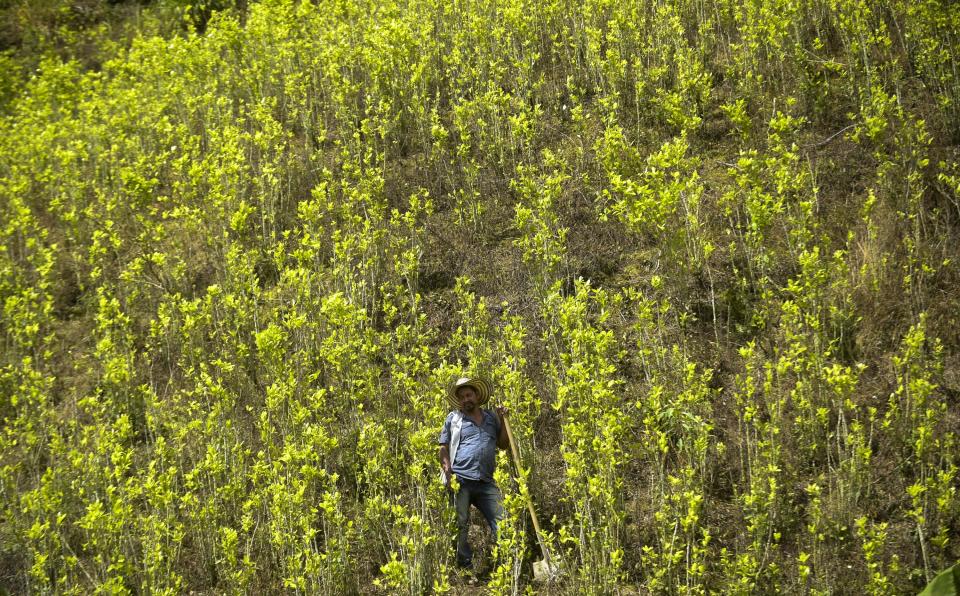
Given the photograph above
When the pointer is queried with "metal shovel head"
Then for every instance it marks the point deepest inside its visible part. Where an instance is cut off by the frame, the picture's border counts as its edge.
(543, 571)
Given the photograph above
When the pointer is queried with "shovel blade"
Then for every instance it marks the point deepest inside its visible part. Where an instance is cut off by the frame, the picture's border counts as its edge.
(543, 571)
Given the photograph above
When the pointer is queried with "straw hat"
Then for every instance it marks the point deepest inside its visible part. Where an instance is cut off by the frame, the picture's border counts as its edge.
(479, 385)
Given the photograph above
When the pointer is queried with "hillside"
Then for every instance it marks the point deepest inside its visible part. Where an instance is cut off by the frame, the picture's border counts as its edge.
(704, 251)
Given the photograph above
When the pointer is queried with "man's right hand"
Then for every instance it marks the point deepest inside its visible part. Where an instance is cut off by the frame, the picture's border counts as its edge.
(445, 464)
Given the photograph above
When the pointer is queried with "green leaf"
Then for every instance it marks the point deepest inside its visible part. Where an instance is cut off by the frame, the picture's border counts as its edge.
(945, 584)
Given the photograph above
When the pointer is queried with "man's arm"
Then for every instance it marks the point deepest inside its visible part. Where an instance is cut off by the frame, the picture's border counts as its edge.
(445, 463)
(503, 441)
(445, 460)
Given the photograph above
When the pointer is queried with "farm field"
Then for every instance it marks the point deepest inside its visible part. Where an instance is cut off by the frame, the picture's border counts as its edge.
(707, 253)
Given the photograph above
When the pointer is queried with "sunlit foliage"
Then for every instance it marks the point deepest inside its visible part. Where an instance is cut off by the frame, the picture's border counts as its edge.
(705, 252)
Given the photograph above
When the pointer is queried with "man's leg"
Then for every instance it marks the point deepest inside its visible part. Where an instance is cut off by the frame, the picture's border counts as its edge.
(489, 501)
(462, 504)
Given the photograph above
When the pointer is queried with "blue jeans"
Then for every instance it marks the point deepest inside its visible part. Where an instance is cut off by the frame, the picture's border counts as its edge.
(485, 496)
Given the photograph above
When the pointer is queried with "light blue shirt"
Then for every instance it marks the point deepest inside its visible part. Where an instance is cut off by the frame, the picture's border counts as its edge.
(476, 453)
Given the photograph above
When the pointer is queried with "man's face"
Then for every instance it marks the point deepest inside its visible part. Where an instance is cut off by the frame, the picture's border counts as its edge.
(468, 398)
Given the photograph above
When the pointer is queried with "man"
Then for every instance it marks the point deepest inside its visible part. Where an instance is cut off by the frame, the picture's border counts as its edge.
(468, 444)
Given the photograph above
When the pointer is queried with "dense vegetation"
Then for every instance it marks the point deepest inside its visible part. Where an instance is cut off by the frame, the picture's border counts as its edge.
(704, 249)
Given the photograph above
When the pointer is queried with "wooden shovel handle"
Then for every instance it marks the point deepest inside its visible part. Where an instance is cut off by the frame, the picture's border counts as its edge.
(533, 513)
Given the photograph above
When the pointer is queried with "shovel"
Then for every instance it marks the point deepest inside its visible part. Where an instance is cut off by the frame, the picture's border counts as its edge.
(545, 569)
